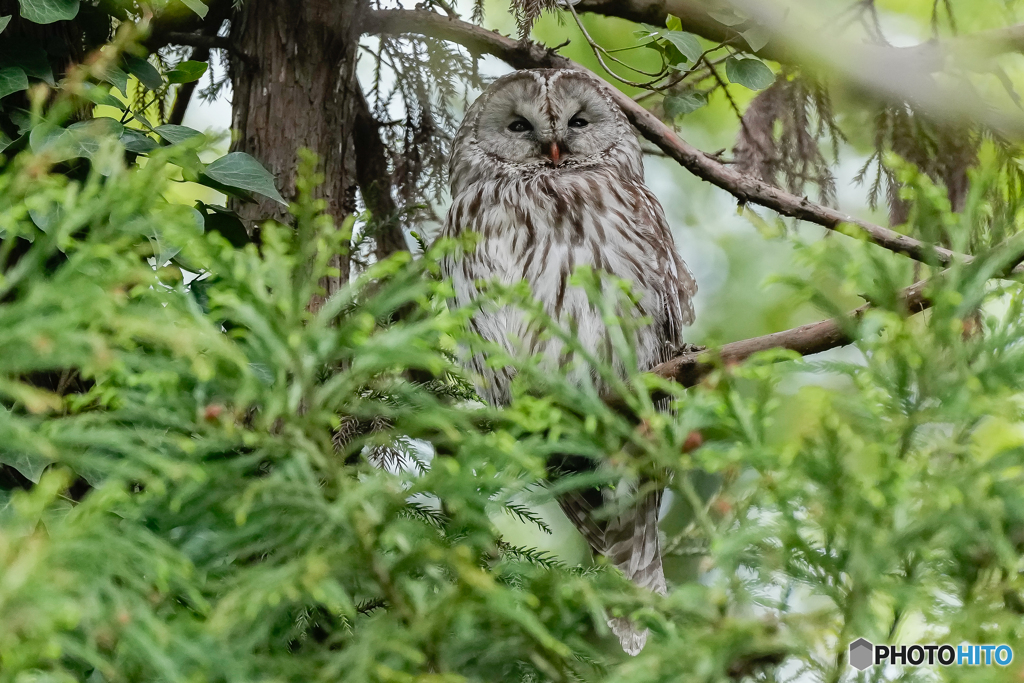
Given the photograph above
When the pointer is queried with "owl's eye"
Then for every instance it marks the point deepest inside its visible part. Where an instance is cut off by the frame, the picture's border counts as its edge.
(578, 122)
(520, 126)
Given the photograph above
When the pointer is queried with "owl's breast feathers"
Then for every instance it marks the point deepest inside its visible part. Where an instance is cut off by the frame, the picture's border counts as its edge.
(538, 226)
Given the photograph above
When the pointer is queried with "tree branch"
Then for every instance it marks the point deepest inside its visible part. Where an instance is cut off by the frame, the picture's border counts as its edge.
(1002, 261)
(183, 97)
(197, 40)
(746, 188)
(184, 24)
(374, 179)
(690, 368)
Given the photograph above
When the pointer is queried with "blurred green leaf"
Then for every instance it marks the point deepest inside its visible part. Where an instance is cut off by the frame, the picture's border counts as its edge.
(187, 72)
(144, 71)
(118, 78)
(756, 36)
(48, 11)
(676, 105)
(138, 142)
(726, 15)
(174, 133)
(240, 170)
(197, 6)
(100, 95)
(86, 137)
(3, 23)
(12, 80)
(686, 43)
(30, 467)
(30, 57)
(228, 224)
(750, 73)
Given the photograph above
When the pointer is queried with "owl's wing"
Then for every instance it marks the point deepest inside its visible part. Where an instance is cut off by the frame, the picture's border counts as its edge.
(677, 286)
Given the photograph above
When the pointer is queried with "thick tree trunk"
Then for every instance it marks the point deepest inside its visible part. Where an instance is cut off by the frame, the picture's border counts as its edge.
(295, 86)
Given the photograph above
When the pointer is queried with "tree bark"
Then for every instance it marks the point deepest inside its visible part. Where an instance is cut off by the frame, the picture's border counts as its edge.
(294, 82)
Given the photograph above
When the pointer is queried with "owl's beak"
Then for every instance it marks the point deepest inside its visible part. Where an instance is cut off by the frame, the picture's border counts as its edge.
(555, 152)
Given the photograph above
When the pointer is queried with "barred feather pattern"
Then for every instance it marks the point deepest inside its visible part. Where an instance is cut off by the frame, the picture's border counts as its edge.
(538, 218)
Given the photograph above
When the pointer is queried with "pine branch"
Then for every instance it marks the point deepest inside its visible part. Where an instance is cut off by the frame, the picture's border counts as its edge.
(524, 554)
(746, 188)
(526, 516)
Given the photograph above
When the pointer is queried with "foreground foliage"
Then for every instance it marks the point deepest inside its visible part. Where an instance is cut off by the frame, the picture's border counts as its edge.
(217, 484)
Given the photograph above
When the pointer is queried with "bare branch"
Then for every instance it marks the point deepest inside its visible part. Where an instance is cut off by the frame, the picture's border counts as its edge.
(690, 368)
(185, 91)
(187, 27)
(197, 40)
(746, 188)
(374, 179)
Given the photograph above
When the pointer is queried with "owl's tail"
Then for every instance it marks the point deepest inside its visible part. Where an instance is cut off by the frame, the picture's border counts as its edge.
(633, 547)
(630, 542)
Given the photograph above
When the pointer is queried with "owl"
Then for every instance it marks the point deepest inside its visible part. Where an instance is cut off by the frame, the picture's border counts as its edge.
(548, 172)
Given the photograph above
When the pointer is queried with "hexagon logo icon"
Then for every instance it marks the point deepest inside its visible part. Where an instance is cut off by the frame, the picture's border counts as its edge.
(862, 654)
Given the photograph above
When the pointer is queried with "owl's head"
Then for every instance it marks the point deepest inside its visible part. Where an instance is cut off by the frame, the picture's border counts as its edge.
(555, 119)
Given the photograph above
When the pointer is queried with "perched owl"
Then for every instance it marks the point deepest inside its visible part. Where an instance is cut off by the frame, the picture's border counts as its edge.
(547, 170)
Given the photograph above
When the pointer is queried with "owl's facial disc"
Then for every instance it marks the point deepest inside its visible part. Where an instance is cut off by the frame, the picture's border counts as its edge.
(559, 122)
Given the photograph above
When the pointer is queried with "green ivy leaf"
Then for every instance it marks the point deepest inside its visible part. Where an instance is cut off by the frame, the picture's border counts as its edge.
(12, 80)
(3, 23)
(677, 105)
(196, 6)
(136, 141)
(144, 71)
(30, 466)
(750, 73)
(647, 30)
(21, 118)
(45, 137)
(47, 217)
(118, 78)
(5, 141)
(240, 170)
(143, 120)
(174, 134)
(727, 16)
(228, 224)
(192, 166)
(686, 43)
(187, 72)
(49, 11)
(31, 58)
(756, 36)
(86, 137)
(236, 193)
(98, 94)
